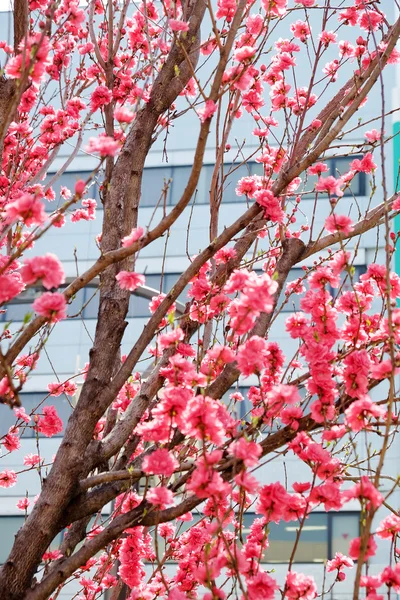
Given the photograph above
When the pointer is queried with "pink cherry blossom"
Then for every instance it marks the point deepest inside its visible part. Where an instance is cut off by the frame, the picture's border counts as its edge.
(330, 185)
(355, 548)
(128, 280)
(52, 306)
(124, 115)
(8, 478)
(208, 110)
(161, 496)
(103, 145)
(47, 268)
(133, 237)
(339, 223)
(160, 462)
(26, 208)
(23, 504)
(50, 423)
(300, 586)
(177, 25)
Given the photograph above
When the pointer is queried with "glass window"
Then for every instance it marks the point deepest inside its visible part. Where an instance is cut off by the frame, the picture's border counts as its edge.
(180, 178)
(345, 527)
(30, 401)
(168, 283)
(341, 165)
(293, 301)
(347, 281)
(233, 173)
(153, 182)
(75, 305)
(9, 526)
(69, 180)
(22, 305)
(337, 166)
(322, 535)
(312, 546)
(91, 303)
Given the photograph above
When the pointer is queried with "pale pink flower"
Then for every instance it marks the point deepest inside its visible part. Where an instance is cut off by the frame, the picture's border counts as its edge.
(21, 414)
(160, 462)
(10, 286)
(244, 53)
(52, 306)
(134, 236)
(123, 114)
(177, 25)
(23, 504)
(389, 527)
(160, 496)
(47, 268)
(103, 145)
(300, 30)
(339, 223)
(329, 185)
(8, 478)
(31, 460)
(26, 208)
(50, 423)
(208, 111)
(373, 136)
(129, 280)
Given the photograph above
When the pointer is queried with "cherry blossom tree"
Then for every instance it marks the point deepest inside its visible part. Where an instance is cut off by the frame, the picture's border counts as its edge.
(109, 78)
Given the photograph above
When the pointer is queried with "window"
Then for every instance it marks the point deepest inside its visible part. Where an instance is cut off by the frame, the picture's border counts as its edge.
(322, 535)
(30, 400)
(138, 305)
(69, 180)
(153, 182)
(176, 178)
(346, 284)
(9, 526)
(337, 167)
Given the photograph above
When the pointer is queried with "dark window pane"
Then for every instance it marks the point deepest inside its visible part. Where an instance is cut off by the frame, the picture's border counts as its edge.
(153, 281)
(138, 307)
(340, 166)
(69, 180)
(76, 303)
(312, 546)
(91, 303)
(235, 173)
(169, 281)
(293, 301)
(22, 305)
(9, 527)
(345, 527)
(180, 178)
(153, 182)
(30, 401)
